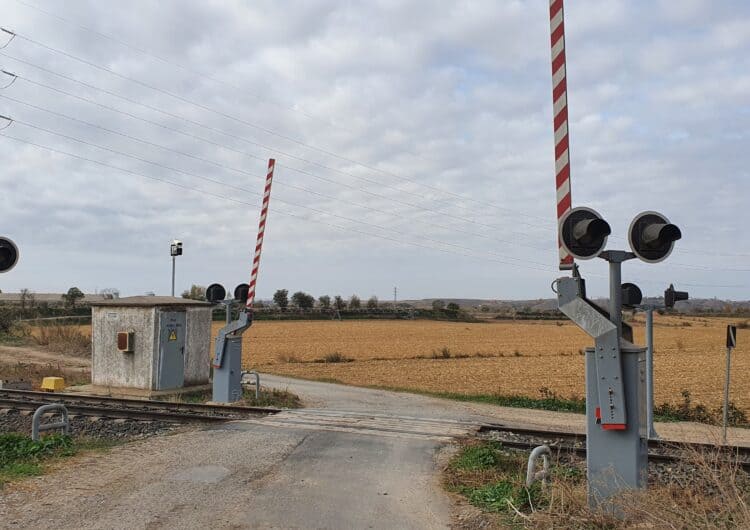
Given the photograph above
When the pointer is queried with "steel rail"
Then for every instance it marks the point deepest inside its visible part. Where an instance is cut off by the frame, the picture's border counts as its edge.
(659, 450)
(129, 407)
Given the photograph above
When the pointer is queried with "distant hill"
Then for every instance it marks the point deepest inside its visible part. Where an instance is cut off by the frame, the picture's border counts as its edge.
(699, 305)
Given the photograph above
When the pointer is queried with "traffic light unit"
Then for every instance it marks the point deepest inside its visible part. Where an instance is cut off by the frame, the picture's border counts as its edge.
(671, 296)
(583, 233)
(652, 236)
(8, 254)
(615, 388)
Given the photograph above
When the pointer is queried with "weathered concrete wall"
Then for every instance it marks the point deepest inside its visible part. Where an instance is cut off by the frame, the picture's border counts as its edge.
(111, 367)
(198, 346)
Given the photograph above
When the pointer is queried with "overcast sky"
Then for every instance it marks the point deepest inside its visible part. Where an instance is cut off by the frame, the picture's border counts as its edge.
(413, 143)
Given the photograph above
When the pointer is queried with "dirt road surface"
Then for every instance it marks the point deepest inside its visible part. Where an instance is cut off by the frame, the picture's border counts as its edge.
(357, 458)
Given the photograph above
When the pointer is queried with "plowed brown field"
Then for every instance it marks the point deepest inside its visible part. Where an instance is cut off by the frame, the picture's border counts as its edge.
(506, 357)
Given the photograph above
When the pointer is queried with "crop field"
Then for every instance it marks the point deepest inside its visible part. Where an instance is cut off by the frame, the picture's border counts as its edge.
(504, 357)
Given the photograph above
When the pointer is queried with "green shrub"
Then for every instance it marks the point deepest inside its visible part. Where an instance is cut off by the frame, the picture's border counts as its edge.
(477, 457)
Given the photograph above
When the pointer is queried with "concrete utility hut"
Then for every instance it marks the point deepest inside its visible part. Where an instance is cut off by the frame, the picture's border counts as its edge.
(150, 342)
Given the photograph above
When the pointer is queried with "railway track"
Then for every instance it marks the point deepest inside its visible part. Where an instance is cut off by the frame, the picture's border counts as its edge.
(376, 424)
(658, 450)
(134, 409)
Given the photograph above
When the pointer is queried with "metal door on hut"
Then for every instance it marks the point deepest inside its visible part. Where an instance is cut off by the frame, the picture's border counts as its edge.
(171, 350)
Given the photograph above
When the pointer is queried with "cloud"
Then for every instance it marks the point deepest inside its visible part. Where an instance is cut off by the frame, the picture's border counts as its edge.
(423, 130)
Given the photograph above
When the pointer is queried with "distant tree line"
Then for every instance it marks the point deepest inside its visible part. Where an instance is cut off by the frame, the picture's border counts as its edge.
(303, 300)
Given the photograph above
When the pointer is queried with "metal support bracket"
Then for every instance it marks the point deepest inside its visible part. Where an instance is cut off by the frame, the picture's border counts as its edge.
(234, 328)
(257, 382)
(532, 475)
(572, 301)
(37, 426)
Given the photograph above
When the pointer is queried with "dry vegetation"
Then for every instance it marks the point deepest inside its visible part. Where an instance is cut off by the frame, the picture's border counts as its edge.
(507, 357)
(703, 491)
(66, 339)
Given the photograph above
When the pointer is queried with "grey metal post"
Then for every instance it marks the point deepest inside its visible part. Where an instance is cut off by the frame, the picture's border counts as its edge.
(228, 311)
(650, 372)
(616, 428)
(726, 396)
(173, 261)
(615, 293)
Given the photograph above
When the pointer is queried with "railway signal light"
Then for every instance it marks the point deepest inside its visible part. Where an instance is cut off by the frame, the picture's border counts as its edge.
(631, 295)
(671, 296)
(240, 292)
(652, 236)
(583, 233)
(215, 293)
(8, 254)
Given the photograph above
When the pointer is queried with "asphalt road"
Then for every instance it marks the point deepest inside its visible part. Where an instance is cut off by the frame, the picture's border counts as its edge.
(369, 464)
(356, 458)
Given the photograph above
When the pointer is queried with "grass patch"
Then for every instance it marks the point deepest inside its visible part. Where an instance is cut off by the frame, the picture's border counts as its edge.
(477, 457)
(689, 411)
(492, 478)
(272, 397)
(20, 456)
(548, 400)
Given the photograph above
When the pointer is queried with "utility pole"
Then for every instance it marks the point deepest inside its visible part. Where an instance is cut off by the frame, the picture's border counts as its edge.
(395, 295)
(175, 249)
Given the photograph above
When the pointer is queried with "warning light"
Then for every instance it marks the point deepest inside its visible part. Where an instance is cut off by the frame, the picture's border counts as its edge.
(583, 233)
(8, 254)
(215, 293)
(671, 296)
(631, 295)
(240, 292)
(652, 236)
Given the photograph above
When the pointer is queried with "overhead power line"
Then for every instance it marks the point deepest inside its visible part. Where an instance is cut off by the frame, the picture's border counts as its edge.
(462, 251)
(302, 171)
(431, 224)
(263, 129)
(201, 74)
(309, 219)
(251, 155)
(289, 203)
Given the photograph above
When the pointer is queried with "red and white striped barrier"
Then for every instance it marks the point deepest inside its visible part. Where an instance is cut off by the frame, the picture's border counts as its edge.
(560, 119)
(261, 231)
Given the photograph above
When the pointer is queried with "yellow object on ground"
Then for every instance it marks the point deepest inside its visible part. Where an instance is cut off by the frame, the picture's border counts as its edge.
(53, 384)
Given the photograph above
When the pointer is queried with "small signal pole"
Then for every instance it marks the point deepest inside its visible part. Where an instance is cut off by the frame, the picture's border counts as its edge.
(731, 344)
(175, 249)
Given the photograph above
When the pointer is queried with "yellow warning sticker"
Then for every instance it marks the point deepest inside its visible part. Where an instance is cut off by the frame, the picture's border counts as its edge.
(173, 335)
